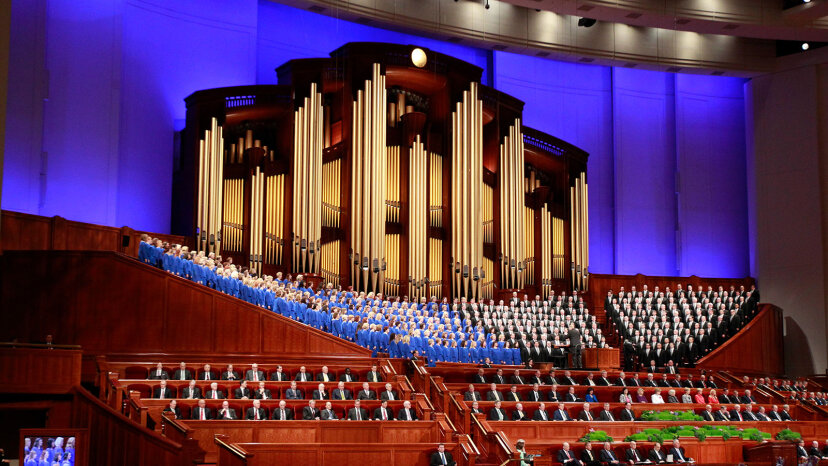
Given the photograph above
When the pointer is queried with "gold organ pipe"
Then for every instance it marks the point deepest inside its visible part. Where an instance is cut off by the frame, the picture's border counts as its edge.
(418, 208)
(210, 207)
(309, 126)
(512, 215)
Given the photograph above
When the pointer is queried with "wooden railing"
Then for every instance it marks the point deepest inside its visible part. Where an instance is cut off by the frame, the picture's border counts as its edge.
(755, 349)
(136, 308)
(39, 369)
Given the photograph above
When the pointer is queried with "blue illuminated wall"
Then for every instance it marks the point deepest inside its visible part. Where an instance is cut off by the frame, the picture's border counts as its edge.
(96, 93)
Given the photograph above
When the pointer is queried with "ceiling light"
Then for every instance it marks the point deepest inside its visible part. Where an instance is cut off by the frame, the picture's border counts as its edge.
(805, 46)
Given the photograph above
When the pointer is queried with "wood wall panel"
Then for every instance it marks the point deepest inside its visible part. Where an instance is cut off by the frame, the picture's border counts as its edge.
(411, 454)
(81, 298)
(756, 349)
(32, 370)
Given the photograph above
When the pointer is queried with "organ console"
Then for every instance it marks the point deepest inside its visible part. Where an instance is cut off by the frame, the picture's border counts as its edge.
(388, 168)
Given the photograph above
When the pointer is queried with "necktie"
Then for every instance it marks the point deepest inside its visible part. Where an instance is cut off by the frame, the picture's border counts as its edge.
(255, 376)
(384, 416)
(589, 416)
(162, 393)
(201, 413)
(442, 458)
(391, 396)
(158, 373)
(635, 454)
(182, 375)
(347, 378)
(342, 394)
(257, 413)
(359, 415)
(215, 395)
(740, 417)
(567, 455)
(282, 414)
(543, 415)
(407, 415)
(681, 457)
(499, 415)
(610, 416)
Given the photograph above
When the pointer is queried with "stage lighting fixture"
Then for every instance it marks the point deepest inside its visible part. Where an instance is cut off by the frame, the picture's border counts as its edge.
(805, 46)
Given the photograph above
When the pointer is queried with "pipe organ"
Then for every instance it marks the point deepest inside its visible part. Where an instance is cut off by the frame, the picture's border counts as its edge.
(371, 171)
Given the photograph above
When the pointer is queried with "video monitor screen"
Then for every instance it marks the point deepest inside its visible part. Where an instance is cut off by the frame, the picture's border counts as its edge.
(50, 449)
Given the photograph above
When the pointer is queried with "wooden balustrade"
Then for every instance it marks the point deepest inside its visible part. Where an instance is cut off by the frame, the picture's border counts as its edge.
(755, 349)
(38, 369)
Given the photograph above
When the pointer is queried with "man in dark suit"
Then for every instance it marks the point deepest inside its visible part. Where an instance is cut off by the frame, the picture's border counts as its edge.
(163, 391)
(341, 393)
(512, 394)
(567, 456)
(574, 337)
(497, 413)
(191, 392)
(498, 378)
(388, 393)
(172, 408)
(206, 373)
(214, 393)
(480, 377)
(279, 375)
(475, 408)
(747, 397)
(608, 456)
(358, 413)
(553, 394)
(622, 381)
(517, 379)
(708, 413)
(652, 368)
(383, 413)
(328, 414)
(606, 415)
(534, 394)
(324, 376)
(627, 413)
(303, 375)
(736, 414)
(748, 413)
(678, 453)
(294, 393)
(158, 373)
(518, 414)
(256, 413)
(567, 379)
(649, 382)
(282, 413)
(321, 393)
(586, 414)
(493, 394)
(664, 382)
(182, 373)
(560, 414)
(374, 375)
(570, 396)
(229, 374)
(201, 412)
(603, 381)
(801, 454)
(310, 412)
(541, 414)
(441, 457)
(366, 393)
(588, 457)
(785, 413)
(226, 412)
(721, 415)
(242, 393)
(262, 393)
(633, 455)
(348, 376)
(552, 379)
(406, 413)
(472, 394)
(657, 456)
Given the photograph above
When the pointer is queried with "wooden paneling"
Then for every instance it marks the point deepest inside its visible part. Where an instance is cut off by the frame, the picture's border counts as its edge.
(755, 349)
(30, 370)
(602, 358)
(79, 298)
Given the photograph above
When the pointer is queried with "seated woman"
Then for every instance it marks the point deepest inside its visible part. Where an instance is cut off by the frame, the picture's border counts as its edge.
(712, 398)
(640, 398)
(590, 396)
(699, 398)
(686, 398)
(625, 396)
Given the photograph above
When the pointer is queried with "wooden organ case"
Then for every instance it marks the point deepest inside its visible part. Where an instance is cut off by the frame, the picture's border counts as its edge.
(388, 168)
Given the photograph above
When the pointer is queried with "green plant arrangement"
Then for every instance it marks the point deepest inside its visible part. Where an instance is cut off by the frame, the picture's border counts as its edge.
(788, 434)
(703, 432)
(670, 416)
(639, 437)
(599, 436)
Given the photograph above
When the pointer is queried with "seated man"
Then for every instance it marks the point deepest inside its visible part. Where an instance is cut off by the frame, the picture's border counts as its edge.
(303, 375)
(678, 453)
(358, 413)
(158, 373)
(606, 414)
(627, 413)
(388, 393)
(567, 379)
(588, 457)
(201, 412)
(182, 373)
(498, 377)
(603, 381)
(328, 414)
(493, 394)
(657, 456)
(517, 379)
(497, 413)
(480, 377)
(206, 373)
(541, 414)
(406, 413)
(341, 393)
(366, 393)
(324, 376)
(383, 413)
(242, 393)
(320, 393)
(632, 454)
(475, 408)
(722, 415)
(736, 414)
(279, 375)
(535, 394)
(294, 393)
(172, 408)
(708, 414)
(254, 374)
(570, 396)
(585, 414)
(472, 394)
(518, 414)
(163, 392)
(348, 376)
(256, 413)
(374, 375)
(262, 393)
(191, 392)
(226, 412)
(441, 457)
(560, 414)
(229, 374)
(802, 456)
(214, 393)
(310, 413)
(512, 394)
(283, 413)
(567, 457)
(608, 456)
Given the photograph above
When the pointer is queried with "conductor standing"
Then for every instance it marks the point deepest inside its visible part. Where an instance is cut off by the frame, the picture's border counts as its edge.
(575, 346)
